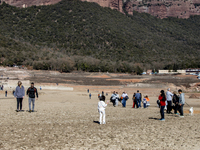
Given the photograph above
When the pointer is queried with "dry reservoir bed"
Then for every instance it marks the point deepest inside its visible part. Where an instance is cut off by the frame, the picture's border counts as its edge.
(67, 120)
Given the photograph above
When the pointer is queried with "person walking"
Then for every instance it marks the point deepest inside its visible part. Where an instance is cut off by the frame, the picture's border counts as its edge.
(162, 99)
(134, 101)
(138, 97)
(31, 92)
(124, 98)
(90, 95)
(181, 102)
(101, 109)
(19, 94)
(175, 99)
(113, 98)
(116, 99)
(169, 96)
(6, 92)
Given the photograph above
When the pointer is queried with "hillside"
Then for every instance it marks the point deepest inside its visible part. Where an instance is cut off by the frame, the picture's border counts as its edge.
(75, 35)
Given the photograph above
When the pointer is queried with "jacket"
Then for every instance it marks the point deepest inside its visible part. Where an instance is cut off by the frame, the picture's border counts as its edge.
(19, 92)
(182, 98)
(162, 101)
(31, 92)
(101, 105)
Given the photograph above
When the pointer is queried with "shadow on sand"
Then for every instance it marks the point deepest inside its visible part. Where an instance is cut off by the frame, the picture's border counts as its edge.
(96, 122)
(154, 118)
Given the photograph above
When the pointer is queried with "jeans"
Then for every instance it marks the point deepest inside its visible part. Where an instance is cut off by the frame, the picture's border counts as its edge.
(145, 105)
(102, 114)
(169, 106)
(181, 109)
(162, 112)
(123, 102)
(33, 103)
(137, 103)
(19, 102)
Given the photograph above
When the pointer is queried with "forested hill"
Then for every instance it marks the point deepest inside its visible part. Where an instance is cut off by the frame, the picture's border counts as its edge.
(75, 35)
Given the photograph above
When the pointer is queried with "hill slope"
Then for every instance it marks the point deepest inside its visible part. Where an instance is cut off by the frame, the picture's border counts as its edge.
(80, 35)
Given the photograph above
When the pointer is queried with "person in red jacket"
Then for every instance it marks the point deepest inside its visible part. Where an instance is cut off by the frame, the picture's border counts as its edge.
(162, 99)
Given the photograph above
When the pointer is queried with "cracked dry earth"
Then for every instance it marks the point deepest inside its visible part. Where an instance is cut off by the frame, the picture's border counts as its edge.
(67, 120)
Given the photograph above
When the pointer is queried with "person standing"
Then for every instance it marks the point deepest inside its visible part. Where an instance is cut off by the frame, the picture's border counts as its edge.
(117, 99)
(124, 98)
(176, 102)
(88, 90)
(19, 94)
(113, 98)
(181, 102)
(138, 97)
(162, 99)
(134, 101)
(6, 92)
(144, 102)
(169, 96)
(31, 92)
(101, 109)
(90, 95)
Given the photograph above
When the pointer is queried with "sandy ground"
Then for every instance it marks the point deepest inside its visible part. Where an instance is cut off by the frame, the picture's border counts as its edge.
(67, 120)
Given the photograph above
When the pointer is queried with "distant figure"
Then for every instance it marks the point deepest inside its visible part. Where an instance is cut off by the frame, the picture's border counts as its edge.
(6, 93)
(138, 97)
(90, 95)
(40, 88)
(117, 99)
(169, 96)
(88, 90)
(57, 84)
(134, 101)
(101, 109)
(102, 92)
(19, 94)
(144, 102)
(181, 102)
(124, 98)
(106, 94)
(31, 92)
(162, 99)
(148, 103)
(176, 102)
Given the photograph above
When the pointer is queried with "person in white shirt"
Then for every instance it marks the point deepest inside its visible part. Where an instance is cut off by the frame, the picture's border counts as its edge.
(113, 98)
(117, 99)
(101, 108)
(169, 96)
(125, 97)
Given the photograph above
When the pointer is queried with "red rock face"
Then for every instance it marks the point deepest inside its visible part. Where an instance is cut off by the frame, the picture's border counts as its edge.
(158, 8)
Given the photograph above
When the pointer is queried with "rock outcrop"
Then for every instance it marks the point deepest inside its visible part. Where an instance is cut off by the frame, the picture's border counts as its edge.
(158, 8)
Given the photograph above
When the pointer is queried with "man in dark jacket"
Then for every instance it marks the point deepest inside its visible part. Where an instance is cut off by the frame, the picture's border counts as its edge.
(31, 92)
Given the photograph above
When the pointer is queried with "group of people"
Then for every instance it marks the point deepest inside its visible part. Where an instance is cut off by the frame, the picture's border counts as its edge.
(19, 94)
(165, 102)
(115, 98)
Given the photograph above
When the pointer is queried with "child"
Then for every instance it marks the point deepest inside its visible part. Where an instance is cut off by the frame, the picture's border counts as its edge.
(144, 102)
(147, 98)
(101, 108)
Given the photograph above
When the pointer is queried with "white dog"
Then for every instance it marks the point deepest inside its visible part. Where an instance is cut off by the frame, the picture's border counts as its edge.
(191, 110)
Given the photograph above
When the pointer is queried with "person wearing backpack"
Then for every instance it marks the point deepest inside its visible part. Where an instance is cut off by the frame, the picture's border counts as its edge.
(175, 99)
(31, 92)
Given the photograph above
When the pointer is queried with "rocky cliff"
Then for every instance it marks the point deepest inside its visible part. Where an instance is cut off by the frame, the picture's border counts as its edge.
(158, 8)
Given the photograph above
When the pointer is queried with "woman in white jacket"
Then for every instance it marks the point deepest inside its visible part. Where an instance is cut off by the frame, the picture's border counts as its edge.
(101, 108)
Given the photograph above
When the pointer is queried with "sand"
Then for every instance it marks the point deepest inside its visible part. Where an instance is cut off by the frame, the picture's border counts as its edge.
(68, 120)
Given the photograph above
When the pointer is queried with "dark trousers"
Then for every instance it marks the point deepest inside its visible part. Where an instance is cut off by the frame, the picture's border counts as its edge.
(169, 106)
(181, 109)
(19, 102)
(123, 102)
(145, 105)
(162, 112)
(176, 107)
(138, 103)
